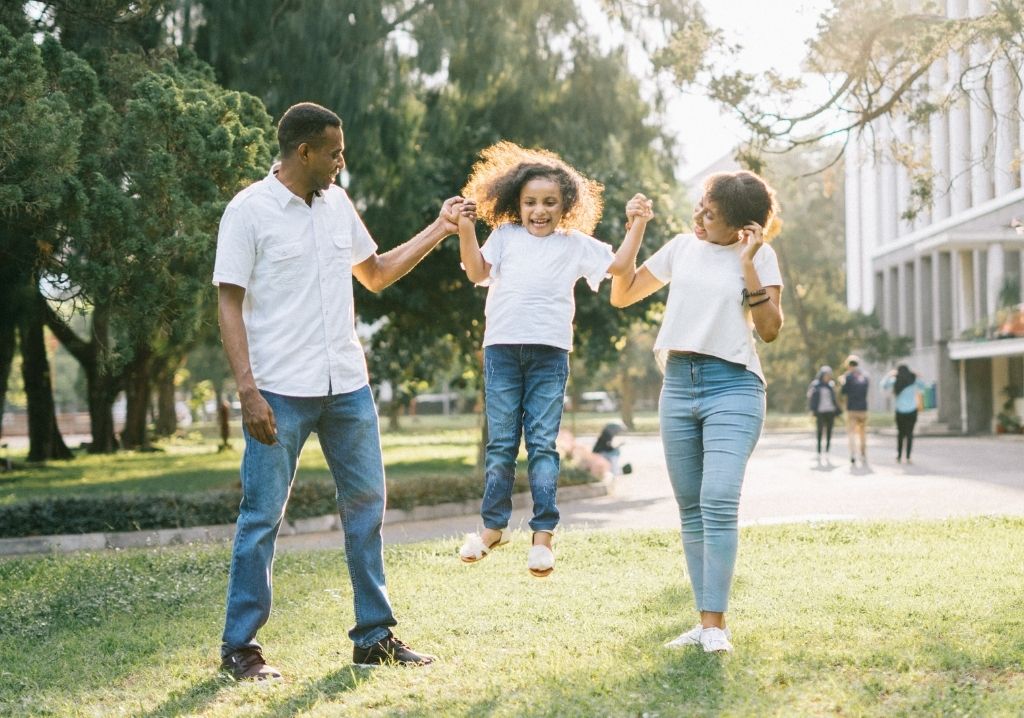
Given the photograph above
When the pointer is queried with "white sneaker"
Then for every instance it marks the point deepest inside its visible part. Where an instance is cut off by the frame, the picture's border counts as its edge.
(691, 637)
(715, 640)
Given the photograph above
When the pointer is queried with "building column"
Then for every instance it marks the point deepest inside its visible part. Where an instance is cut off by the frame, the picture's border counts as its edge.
(854, 252)
(959, 125)
(902, 151)
(982, 170)
(977, 287)
(938, 146)
(902, 310)
(995, 271)
(888, 213)
(1004, 95)
(868, 193)
(920, 302)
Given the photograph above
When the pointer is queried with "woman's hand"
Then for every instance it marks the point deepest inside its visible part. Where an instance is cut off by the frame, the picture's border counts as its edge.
(467, 213)
(639, 208)
(751, 237)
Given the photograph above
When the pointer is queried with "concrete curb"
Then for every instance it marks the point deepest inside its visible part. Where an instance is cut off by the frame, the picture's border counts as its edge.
(69, 543)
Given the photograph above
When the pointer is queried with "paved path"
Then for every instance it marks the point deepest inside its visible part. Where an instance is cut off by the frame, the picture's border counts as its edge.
(950, 476)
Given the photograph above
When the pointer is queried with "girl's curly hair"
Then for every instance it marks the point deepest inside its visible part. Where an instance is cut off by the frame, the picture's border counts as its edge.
(743, 197)
(497, 180)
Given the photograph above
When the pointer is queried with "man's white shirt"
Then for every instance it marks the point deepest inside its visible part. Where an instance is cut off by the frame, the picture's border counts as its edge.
(295, 263)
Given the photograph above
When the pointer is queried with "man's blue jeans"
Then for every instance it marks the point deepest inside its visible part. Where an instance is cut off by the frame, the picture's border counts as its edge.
(524, 386)
(350, 439)
(711, 414)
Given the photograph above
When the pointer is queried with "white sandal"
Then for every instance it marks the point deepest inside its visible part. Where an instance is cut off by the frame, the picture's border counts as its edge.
(474, 548)
(541, 560)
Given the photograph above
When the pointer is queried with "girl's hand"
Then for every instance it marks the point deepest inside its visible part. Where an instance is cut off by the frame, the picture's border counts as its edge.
(467, 213)
(639, 208)
(752, 237)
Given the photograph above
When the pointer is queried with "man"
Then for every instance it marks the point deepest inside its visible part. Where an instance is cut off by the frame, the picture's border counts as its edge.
(287, 250)
(855, 391)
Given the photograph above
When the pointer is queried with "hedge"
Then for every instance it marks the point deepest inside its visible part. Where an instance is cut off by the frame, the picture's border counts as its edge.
(134, 512)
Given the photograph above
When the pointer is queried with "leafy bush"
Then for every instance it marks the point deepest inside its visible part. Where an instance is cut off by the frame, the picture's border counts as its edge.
(134, 512)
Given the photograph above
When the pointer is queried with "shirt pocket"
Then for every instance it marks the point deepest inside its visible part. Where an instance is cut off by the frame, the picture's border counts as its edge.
(341, 248)
(284, 261)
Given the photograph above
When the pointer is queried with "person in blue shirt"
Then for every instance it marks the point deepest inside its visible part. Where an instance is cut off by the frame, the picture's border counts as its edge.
(855, 383)
(905, 385)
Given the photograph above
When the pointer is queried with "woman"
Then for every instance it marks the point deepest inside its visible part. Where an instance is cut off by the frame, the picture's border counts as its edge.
(905, 385)
(725, 281)
(821, 400)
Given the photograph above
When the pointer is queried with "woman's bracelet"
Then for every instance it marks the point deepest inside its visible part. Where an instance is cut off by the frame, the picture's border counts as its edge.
(766, 299)
(747, 294)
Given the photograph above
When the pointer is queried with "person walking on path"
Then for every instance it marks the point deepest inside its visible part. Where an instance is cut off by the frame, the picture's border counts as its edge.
(855, 385)
(905, 387)
(821, 400)
(542, 211)
(287, 250)
(725, 281)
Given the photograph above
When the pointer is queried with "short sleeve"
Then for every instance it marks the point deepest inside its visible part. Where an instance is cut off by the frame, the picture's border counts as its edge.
(595, 258)
(236, 249)
(766, 263)
(493, 249)
(660, 263)
(363, 245)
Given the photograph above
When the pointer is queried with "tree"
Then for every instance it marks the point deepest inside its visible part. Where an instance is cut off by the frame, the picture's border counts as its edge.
(881, 69)
(38, 148)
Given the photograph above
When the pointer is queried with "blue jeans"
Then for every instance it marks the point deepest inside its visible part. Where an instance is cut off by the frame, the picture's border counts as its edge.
(350, 438)
(711, 414)
(524, 387)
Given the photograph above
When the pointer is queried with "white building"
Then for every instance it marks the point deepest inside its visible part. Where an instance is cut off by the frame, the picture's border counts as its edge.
(944, 276)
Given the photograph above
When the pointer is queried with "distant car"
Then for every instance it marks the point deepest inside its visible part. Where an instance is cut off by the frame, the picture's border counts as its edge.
(597, 401)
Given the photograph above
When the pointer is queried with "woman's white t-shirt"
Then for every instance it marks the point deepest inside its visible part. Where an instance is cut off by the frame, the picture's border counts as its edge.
(705, 311)
(530, 287)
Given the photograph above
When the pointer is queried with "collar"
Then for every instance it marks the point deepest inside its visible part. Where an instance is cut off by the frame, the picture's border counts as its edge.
(280, 192)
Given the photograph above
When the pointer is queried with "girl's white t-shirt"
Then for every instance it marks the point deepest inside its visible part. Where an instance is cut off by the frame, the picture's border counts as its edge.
(705, 311)
(530, 287)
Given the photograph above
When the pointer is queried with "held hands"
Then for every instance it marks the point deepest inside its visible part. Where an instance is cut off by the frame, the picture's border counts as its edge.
(751, 237)
(258, 418)
(450, 213)
(640, 209)
(467, 214)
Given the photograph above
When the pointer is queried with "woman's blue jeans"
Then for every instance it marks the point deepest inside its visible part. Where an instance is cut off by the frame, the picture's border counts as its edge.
(350, 439)
(711, 414)
(524, 388)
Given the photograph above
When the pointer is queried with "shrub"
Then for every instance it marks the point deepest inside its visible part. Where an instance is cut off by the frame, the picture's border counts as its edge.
(135, 512)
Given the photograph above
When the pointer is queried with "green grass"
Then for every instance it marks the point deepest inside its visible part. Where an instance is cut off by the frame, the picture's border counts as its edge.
(896, 619)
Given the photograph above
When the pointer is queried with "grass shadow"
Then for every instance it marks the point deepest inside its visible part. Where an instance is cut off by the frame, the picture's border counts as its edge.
(341, 681)
(191, 699)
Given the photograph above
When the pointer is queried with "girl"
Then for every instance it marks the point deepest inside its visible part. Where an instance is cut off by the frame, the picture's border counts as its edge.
(905, 385)
(725, 281)
(542, 211)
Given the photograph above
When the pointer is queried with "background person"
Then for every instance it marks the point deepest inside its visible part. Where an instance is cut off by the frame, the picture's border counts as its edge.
(854, 390)
(905, 387)
(725, 281)
(822, 402)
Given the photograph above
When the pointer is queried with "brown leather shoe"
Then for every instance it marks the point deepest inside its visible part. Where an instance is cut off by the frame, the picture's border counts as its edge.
(247, 664)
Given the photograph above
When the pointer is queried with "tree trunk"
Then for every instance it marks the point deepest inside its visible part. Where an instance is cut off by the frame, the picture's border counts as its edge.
(101, 386)
(45, 441)
(627, 398)
(7, 344)
(137, 389)
(166, 412)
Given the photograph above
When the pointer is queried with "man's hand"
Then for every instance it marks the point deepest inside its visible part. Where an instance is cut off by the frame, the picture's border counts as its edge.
(449, 216)
(258, 417)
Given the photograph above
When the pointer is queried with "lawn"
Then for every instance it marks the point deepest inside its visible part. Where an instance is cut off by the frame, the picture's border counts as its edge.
(887, 619)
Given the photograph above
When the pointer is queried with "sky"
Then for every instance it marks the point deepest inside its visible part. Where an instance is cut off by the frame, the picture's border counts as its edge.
(773, 33)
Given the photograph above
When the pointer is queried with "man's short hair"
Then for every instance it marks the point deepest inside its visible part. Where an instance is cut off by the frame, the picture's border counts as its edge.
(304, 122)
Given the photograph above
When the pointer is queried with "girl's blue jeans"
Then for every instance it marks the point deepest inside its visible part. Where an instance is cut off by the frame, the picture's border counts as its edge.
(524, 388)
(350, 439)
(711, 414)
